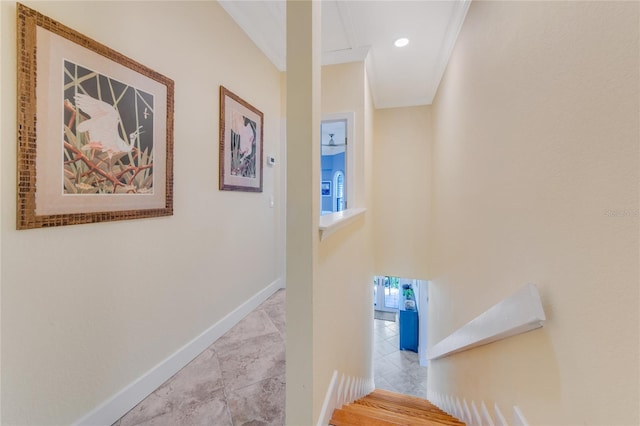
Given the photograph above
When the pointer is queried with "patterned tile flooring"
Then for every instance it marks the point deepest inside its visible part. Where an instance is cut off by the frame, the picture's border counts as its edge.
(239, 380)
(393, 369)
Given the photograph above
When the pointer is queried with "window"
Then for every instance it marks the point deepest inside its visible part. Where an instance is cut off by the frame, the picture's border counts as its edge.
(336, 159)
(337, 206)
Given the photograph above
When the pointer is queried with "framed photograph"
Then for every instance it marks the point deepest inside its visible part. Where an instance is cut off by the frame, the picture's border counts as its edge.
(95, 130)
(240, 144)
(325, 188)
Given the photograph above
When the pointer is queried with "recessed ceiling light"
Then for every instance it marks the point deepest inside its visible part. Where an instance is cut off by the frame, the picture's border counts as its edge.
(401, 42)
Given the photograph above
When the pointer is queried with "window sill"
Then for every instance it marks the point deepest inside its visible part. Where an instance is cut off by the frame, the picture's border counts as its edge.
(330, 223)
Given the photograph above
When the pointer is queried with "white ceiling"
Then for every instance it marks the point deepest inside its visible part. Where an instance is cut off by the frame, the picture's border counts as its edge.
(355, 30)
(336, 130)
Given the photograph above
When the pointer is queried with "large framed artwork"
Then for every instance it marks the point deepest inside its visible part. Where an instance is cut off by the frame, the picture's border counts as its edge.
(95, 130)
(240, 144)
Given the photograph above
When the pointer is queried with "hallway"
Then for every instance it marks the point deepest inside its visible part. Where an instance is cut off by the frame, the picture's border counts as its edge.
(393, 369)
(238, 380)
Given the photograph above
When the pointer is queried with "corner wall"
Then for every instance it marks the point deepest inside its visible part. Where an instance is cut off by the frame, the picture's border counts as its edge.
(402, 190)
(535, 176)
(88, 309)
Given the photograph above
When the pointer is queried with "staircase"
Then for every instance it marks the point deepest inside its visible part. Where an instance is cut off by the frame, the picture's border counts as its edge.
(382, 408)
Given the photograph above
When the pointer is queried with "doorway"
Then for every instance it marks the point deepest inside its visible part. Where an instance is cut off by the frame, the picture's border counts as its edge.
(386, 293)
(399, 334)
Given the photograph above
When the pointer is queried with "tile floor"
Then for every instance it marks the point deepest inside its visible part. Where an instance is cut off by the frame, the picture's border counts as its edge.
(239, 380)
(393, 369)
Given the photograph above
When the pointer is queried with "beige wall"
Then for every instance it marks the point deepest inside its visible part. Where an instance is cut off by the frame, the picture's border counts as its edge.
(81, 320)
(303, 204)
(401, 185)
(536, 129)
(343, 297)
(2, 206)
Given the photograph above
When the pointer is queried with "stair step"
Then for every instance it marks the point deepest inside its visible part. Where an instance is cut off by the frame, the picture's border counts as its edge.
(423, 413)
(383, 396)
(393, 417)
(385, 408)
(342, 417)
(425, 407)
(408, 400)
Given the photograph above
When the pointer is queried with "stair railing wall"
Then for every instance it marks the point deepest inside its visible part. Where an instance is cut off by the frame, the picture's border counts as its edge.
(519, 313)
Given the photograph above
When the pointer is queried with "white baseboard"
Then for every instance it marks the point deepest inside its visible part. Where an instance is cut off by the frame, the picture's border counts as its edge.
(119, 404)
(330, 401)
(474, 417)
(341, 392)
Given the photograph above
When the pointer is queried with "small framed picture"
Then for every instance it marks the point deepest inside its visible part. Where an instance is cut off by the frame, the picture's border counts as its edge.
(240, 144)
(325, 188)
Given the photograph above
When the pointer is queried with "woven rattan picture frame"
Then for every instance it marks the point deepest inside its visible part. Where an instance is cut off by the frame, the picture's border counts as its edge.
(241, 145)
(95, 130)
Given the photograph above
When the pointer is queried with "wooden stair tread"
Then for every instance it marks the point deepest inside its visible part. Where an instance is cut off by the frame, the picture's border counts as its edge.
(431, 418)
(342, 417)
(385, 408)
(429, 413)
(379, 396)
(384, 414)
(426, 408)
(404, 399)
(393, 417)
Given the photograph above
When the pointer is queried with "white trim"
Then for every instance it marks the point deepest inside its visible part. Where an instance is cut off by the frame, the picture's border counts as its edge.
(452, 406)
(486, 417)
(330, 401)
(501, 421)
(330, 223)
(519, 313)
(343, 56)
(451, 36)
(371, 78)
(458, 410)
(466, 414)
(423, 313)
(119, 404)
(518, 417)
(475, 415)
(348, 390)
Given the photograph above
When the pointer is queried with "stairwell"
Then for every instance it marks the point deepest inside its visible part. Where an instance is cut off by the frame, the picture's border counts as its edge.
(382, 408)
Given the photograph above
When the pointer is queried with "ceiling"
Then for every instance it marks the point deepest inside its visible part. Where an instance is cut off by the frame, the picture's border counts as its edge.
(355, 30)
(336, 130)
